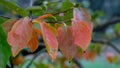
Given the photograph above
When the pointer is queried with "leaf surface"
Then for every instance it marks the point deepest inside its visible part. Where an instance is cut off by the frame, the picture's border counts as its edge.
(82, 29)
(50, 40)
(33, 43)
(66, 42)
(15, 8)
(8, 24)
(19, 35)
(5, 52)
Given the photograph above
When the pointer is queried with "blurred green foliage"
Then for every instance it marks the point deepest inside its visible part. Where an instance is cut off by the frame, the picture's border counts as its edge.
(65, 7)
(2, 20)
(5, 51)
(13, 7)
(117, 28)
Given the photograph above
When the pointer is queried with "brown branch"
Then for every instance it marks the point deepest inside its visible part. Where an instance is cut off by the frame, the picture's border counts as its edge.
(36, 55)
(42, 49)
(108, 43)
(77, 62)
(63, 11)
(69, 20)
(108, 23)
(5, 17)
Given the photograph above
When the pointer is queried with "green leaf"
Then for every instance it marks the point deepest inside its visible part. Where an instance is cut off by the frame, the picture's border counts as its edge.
(5, 51)
(34, 8)
(66, 5)
(117, 28)
(95, 47)
(41, 65)
(2, 20)
(68, 15)
(12, 6)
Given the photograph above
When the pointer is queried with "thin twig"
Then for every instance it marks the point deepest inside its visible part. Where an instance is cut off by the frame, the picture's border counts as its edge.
(63, 11)
(11, 62)
(108, 43)
(30, 12)
(108, 23)
(114, 47)
(5, 17)
(36, 55)
(77, 62)
(69, 20)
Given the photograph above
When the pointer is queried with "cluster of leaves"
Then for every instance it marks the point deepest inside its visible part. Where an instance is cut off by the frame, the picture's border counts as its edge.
(22, 33)
(67, 38)
(63, 34)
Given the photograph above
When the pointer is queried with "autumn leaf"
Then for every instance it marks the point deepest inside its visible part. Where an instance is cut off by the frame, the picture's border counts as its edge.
(82, 29)
(50, 40)
(57, 25)
(18, 60)
(40, 18)
(19, 35)
(109, 57)
(33, 42)
(66, 42)
(38, 31)
(90, 56)
(8, 24)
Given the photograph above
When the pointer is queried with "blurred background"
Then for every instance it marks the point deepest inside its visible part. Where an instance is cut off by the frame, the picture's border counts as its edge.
(104, 50)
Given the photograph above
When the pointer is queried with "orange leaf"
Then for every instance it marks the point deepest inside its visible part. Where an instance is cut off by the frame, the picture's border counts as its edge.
(109, 57)
(66, 42)
(49, 37)
(18, 60)
(57, 25)
(19, 35)
(82, 30)
(90, 56)
(33, 43)
(42, 17)
(38, 32)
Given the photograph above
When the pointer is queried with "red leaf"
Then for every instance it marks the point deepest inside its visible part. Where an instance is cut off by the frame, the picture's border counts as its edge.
(33, 43)
(49, 37)
(82, 29)
(66, 42)
(19, 35)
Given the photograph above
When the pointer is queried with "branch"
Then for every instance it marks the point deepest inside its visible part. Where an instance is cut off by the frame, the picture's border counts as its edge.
(104, 26)
(26, 52)
(69, 20)
(36, 55)
(11, 62)
(5, 17)
(109, 44)
(63, 11)
(114, 47)
(76, 61)
(41, 49)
